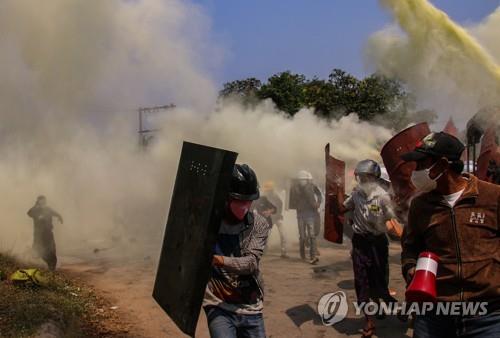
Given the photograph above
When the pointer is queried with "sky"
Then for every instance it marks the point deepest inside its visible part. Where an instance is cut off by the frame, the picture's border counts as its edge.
(264, 37)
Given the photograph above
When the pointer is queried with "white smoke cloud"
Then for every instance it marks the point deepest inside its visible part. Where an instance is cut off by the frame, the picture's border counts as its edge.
(486, 33)
(276, 146)
(73, 74)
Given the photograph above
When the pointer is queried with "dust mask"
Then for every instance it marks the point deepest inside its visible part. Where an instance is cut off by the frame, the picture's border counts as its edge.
(421, 180)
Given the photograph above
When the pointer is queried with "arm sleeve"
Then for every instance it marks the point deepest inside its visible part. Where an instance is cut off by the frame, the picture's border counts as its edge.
(319, 195)
(349, 202)
(248, 263)
(56, 215)
(279, 205)
(387, 207)
(31, 212)
(411, 241)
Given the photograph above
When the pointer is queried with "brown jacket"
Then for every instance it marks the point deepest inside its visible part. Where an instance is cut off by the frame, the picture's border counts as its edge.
(465, 237)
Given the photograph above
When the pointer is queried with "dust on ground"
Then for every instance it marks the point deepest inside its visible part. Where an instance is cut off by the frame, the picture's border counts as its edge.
(292, 286)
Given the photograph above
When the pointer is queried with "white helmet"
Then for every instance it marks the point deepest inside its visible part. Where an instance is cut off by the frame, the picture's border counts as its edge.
(304, 175)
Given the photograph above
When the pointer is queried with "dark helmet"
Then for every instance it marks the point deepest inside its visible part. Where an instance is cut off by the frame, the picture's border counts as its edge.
(368, 167)
(244, 184)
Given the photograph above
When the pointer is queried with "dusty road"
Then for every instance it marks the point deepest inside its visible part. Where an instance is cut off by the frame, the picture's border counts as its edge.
(292, 291)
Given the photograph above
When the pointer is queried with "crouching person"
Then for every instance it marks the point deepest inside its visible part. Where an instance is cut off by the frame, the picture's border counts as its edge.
(233, 300)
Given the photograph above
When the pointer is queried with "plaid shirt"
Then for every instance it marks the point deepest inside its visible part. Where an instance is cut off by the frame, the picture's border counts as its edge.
(253, 234)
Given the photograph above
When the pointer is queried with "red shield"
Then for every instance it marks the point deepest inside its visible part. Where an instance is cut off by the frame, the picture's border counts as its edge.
(334, 197)
(400, 171)
(489, 152)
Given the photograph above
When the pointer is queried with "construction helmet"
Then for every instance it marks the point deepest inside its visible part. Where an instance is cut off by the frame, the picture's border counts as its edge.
(368, 167)
(304, 175)
(244, 184)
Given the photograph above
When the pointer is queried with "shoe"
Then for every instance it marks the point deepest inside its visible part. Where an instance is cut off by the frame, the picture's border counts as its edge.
(284, 255)
(368, 330)
(314, 260)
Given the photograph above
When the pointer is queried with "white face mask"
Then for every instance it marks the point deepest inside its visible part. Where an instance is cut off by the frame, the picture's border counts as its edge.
(422, 181)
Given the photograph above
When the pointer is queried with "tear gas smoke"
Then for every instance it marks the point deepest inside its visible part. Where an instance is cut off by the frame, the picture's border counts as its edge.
(443, 64)
(73, 73)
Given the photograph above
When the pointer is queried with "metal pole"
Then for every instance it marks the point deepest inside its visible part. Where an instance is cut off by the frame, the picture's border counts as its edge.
(468, 157)
(140, 128)
(474, 156)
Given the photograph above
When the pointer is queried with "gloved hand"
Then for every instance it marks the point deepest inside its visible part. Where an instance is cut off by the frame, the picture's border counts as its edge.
(218, 260)
(394, 227)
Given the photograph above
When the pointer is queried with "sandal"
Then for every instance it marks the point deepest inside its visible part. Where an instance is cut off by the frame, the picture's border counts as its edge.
(368, 330)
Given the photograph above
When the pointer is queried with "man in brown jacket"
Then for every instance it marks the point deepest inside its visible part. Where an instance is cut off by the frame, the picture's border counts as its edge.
(456, 216)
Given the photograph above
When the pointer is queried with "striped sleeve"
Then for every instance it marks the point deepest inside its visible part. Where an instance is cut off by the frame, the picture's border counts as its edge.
(251, 253)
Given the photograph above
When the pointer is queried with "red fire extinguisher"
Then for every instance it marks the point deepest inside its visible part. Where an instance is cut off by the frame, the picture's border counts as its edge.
(423, 285)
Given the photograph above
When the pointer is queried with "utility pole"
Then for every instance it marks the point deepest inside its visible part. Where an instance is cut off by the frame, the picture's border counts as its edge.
(146, 134)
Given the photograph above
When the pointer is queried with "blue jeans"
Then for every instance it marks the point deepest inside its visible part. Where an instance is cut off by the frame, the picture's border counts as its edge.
(432, 326)
(224, 324)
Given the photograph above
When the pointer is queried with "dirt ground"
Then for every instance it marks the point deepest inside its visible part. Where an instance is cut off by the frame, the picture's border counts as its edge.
(292, 286)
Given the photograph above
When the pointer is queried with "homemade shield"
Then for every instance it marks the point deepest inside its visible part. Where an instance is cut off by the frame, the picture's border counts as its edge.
(334, 197)
(196, 209)
(489, 155)
(400, 171)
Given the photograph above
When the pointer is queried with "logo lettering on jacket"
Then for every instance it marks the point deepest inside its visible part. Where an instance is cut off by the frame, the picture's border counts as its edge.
(477, 217)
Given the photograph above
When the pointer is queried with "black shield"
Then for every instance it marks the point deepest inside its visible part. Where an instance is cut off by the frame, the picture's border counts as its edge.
(196, 208)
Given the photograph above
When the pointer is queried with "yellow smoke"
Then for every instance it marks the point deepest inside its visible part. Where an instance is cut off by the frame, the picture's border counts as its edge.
(440, 60)
(420, 19)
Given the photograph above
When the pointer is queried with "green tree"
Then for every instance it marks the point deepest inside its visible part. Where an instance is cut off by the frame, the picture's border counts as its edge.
(320, 96)
(375, 98)
(345, 91)
(244, 90)
(286, 90)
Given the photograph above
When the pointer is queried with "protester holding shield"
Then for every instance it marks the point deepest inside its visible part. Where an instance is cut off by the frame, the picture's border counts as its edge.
(455, 217)
(234, 296)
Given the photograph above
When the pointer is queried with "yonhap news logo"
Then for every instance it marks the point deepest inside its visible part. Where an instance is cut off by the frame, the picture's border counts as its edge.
(333, 307)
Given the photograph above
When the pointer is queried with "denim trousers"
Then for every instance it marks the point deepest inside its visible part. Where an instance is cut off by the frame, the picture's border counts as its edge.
(225, 324)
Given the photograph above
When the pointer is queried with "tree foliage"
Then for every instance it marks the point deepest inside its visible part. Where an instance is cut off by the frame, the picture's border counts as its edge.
(286, 90)
(244, 90)
(374, 98)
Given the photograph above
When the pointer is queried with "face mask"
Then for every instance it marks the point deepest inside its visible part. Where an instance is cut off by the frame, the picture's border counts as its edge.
(422, 181)
(302, 183)
(239, 208)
